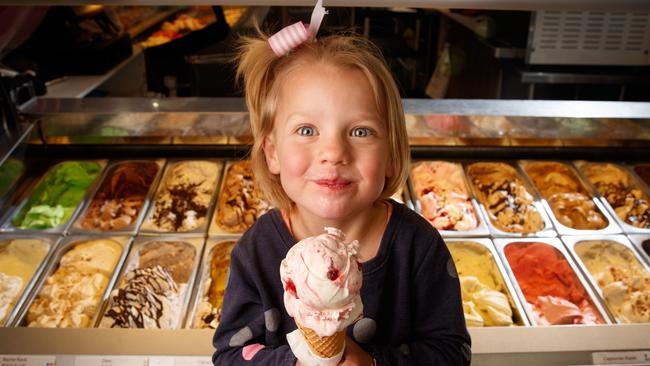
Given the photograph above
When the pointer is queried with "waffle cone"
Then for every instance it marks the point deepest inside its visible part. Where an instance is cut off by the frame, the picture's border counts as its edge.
(323, 347)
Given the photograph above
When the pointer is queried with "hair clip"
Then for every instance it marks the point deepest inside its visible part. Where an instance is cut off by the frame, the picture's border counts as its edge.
(296, 34)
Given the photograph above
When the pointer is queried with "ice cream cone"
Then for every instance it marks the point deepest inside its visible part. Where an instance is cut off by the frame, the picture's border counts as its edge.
(324, 347)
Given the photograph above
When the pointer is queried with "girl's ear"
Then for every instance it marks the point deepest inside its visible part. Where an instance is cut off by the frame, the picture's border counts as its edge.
(271, 154)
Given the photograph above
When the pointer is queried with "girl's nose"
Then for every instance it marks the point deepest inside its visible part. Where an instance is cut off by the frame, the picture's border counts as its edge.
(334, 151)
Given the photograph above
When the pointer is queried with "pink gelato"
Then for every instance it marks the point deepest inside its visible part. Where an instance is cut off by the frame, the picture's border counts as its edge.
(322, 279)
(441, 189)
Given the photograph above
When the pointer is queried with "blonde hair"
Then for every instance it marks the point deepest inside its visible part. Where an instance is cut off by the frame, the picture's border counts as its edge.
(261, 72)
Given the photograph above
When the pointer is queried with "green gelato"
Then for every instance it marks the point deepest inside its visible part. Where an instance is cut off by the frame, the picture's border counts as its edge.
(57, 196)
(10, 171)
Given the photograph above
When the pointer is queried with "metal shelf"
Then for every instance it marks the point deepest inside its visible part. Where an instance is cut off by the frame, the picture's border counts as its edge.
(524, 108)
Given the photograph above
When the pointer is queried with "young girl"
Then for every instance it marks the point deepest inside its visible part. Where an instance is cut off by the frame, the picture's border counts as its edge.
(330, 149)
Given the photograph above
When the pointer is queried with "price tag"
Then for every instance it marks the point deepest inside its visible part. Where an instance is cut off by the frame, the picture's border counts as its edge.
(110, 361)
(27, 360)
(621, 358)
(193, 361)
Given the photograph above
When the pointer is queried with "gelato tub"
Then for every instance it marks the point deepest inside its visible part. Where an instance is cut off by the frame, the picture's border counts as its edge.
(441, 196)
(507, 200)
(620, 276)
(548, 282)
(183, 202)
(487, 295)
(570, 204)
(155, 284)
(212, 285)
(76, 281)
(120, 201)
(240, 201)
(55, 199)
(622, 194)
(22, 259)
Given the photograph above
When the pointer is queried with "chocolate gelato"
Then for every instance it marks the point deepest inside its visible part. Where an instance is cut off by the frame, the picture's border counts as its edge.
(177, 257)
(151, 295)
(183, 201)
(118, 201)
(508, 202)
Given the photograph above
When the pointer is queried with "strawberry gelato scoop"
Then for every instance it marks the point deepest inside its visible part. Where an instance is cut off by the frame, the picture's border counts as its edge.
(322, 279)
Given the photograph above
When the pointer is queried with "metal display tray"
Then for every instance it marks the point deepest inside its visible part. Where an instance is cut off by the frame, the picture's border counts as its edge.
(131, 229)
(546, 231)
(131, 263)
(63, 227)
(482, 227)
(635, 182)
(515, 302)
(611, 228)
(215, 227)
(572, 241)
(203, 280)
(149, 228)
(64, 246)
(501, 244)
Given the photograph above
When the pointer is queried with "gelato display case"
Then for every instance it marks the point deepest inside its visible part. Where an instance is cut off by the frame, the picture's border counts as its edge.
(505, 182)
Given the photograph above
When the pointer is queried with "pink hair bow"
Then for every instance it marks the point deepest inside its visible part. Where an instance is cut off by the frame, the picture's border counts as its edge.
(295, 34)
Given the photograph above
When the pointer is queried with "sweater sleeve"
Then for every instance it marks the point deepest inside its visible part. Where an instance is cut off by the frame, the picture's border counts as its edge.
(439, 334)
(241, 335)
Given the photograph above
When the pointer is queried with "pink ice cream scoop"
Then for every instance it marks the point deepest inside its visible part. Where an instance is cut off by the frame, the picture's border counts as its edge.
(322, 279)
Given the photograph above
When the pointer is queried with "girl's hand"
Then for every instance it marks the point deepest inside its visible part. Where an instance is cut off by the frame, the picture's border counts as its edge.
(355, 355)
(298, 363)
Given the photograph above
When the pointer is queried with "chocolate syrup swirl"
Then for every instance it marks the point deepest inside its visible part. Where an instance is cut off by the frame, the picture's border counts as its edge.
(142, 297)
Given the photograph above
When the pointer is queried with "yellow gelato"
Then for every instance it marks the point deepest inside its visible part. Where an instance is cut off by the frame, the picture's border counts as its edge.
(19, 259)
(486, 301)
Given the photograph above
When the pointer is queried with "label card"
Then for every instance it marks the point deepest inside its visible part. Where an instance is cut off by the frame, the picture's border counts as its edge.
(110, 361)
(27, 360)
(621, 358)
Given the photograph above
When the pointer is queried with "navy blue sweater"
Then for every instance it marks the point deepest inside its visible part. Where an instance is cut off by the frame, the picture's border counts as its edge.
(411, 298)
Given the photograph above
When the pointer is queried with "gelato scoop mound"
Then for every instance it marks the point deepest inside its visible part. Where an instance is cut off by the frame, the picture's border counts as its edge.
(322, 279)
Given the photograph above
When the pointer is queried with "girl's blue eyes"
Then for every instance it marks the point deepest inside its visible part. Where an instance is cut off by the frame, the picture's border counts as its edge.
(361, 132)
(306, 131)
(357, 132)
